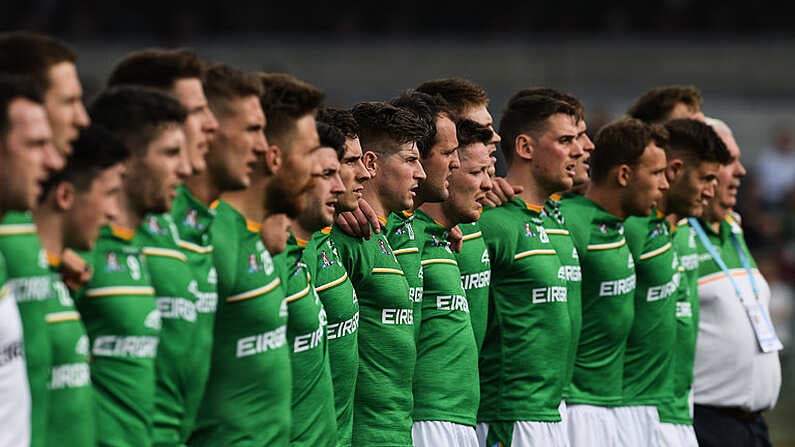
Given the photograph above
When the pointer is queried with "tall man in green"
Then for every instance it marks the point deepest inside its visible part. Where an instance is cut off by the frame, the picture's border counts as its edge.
(528, 335)
(118, 304)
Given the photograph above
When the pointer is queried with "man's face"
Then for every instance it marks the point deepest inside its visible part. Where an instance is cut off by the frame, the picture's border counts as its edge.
(286, 189)
(692, 189)
(64, 103)
(151, 180)
(480, 114)
(239, 142)
(442, 159)
(327, 186)
(647, 182)
(398, 178)
(729, 178)
(27, 156)
(93, 209)
(353, 174)
(469, 184)
(200, 125)
(581, 169)
(555, 154)
(682, 110)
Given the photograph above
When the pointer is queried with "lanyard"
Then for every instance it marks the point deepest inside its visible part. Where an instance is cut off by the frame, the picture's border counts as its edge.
(702, 235)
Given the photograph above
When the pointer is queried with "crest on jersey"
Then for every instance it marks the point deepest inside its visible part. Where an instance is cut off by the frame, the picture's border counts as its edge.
(383, 248)
(153, 226)
(253, 264)
(660, 229)
(325, 261)
(152, 320)
(528, 231)
(603, 228)
(112, 263)
(192, 219)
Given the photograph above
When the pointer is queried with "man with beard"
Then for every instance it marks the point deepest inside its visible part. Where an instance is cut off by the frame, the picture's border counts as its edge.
(178, 248)
(78, 201)
(25, 141)
(118, 304)
(446, 387)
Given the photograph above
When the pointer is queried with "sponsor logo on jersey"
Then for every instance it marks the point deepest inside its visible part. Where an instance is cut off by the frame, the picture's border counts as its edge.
(528, 231)
(305, 342)
(34, 288)
(663, 291)
(415, 294)
(542, 235)
(206, 302)
(476, 280)
(405, 228)
(325, 261)
(436, 242)
(257, 344)
(452, 302)
(343, 328)
(554, 294)
(618, 286)
(684, 309)
(397, 316)
(570, 273)
(690, 262)
(112, 262)
(42, 260)
(484, 258)
(82, 345)
(62, 293)
(136, 346)
(574, 254)
(630, 262)
(70, 375)
(152, 320)
(212, 276)
(176, 308)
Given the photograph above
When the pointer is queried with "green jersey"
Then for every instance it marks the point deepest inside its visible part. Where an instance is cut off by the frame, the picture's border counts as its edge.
(313, 416)
(569, 257)
(387, 353)
(528, 336)
(608, 290)
(475, 266)
(247, 399)
(647, 360)
(29, 281)
(446, 386)
(121, 317)
(174, 285)
(676, 409)
(70, 421)
(336, 292)
(402, 237)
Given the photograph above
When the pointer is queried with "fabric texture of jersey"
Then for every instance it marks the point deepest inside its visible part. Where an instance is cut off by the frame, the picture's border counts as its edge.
(29, 281)
(387, 352)
(608, 287)
(313, 416)
(401, 234)
(730, 369)
(475, 266)
(122, 321)
(528, 337)
(647, 360)
(70, 420)
(338, 296)
(247, 399)
(446, 386)
(15, 405)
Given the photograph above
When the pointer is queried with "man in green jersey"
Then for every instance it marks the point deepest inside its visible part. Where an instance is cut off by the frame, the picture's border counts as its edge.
(528, 334)
(118, 304)
(695, 153)
(446, 387)
(387, 353)
(25, 162)
(331, 280)
(181, 262)
(627, 177)
(78, 201)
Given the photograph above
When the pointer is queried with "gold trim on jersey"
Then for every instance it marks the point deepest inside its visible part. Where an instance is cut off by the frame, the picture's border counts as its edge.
(164, 252)
(403, 251)
(299, 295)
(334, 283)
(17, 229)
(387, 270)
(120, 290)
(556, 231)
(717, 276)
(542, 251)
(611, 245)
(256, 292)
(438, 261)
(195, 248)
(657, 252)
(472, 236)
(60, 317)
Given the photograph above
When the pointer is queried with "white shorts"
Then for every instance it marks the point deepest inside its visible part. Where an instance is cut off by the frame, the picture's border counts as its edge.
(589, 425)
(530, 434)
(676, 435)
(637, 425)
(442, 433)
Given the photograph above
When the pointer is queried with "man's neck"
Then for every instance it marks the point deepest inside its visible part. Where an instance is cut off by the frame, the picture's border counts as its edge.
(436, 211)
(49, 227)
(532, 193)
(128, 217)
(250, 202)
(713, 218)
(375, 203)
(300, 232)
(606, 198)
(203, 188)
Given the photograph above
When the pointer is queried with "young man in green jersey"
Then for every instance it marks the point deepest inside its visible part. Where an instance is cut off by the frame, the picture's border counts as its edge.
(332, 282)
(521, 370)
(627, 176)
(695, 153)
(387, 353)
(446, 387)
(26, 160)
(737, 374)
(181, 261)
(79, 200)
(118, 304)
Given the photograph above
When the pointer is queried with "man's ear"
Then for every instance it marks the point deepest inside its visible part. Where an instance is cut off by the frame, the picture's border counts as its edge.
(273, 158)
(675, 167)
(623, 175)
(64, 196)
(370, 160)
(524, 146)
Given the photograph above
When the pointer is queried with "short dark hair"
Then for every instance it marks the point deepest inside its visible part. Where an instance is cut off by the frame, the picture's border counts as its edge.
(134, 114)
(552, 93)
(427, 108)
(655, 106)
(32, 54)
(95, 150)
(331, 137)
(284, 100)
(469, 132)
(623, 142)
(695, 142)
(223, 83)
(383, 128)
(157, 68)
(528, 115)
(342, 119)
(459, 93)
(13, 87)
